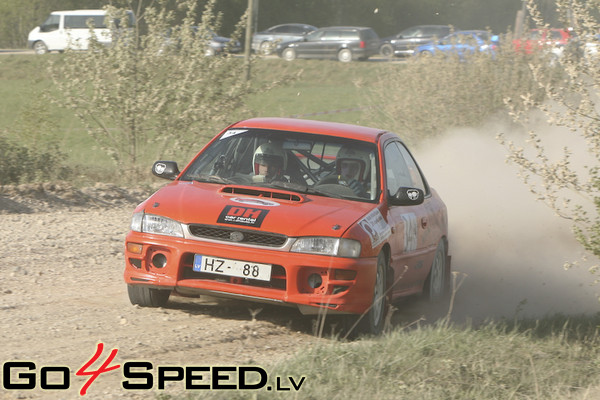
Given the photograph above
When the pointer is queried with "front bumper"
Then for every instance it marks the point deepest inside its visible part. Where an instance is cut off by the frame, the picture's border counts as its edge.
(346, 284)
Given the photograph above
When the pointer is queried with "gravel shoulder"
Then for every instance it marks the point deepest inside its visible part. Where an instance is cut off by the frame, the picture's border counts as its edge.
(62, 293)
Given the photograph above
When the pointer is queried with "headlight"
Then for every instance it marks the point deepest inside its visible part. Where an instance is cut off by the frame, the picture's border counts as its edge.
(149, 223)
(136, 221)
(327, 246)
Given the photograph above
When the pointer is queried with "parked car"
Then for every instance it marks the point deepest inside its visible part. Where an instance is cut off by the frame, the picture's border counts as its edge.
(319, 216)
(216, 45)
(461, 44)
(219, 45)
(346, 43)
(64, 30)
(542, 39)
(264, 42)
(404, 43)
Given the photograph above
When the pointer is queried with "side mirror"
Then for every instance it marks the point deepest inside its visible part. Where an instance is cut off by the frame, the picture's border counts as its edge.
(165, 169)
(407, 196)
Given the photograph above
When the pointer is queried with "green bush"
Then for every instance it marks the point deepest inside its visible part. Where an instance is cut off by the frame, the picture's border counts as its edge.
(20, 164)
(433, 94)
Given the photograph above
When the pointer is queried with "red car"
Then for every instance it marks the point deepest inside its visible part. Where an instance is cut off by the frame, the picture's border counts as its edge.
(542, 39)
(315, 215)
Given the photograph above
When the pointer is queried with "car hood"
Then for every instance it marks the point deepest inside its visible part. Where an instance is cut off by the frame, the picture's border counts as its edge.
(243, 207)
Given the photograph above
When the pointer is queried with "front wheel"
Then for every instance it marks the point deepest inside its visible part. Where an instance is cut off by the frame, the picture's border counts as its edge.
(435, 286)
(40, 47)
(386, 50)
(265, 48)
(289, 54)
(345, 55)
(147, 297)
(372, 322)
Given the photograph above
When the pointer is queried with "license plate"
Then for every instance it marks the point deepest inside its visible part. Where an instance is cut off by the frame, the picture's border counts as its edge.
(224, 266)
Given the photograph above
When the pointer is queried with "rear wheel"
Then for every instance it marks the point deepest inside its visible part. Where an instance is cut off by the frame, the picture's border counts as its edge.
(345, 55)
(288, 54)
(40, 47)
(147, 297)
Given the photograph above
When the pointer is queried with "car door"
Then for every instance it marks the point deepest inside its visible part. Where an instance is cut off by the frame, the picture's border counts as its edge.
(412, 243)
(52, 32)
(312, 44)
(328, 45)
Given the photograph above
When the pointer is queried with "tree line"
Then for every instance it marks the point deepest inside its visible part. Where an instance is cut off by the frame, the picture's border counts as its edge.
(387, 17)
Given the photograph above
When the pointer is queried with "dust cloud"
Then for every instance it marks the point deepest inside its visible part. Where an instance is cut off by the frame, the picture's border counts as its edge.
(511, 247)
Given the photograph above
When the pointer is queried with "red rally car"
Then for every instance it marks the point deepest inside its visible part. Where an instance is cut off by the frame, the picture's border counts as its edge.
(310, 214)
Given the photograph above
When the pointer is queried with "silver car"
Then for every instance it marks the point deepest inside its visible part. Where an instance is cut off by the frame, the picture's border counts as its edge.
(264, 42)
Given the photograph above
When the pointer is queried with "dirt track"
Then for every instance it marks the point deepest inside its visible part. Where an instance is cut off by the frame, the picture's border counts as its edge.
(62, 291)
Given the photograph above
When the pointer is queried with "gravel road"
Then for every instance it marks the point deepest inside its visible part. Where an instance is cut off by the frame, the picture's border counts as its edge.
(62, 293)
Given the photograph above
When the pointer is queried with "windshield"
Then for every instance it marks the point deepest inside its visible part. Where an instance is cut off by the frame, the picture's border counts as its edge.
(301, 162)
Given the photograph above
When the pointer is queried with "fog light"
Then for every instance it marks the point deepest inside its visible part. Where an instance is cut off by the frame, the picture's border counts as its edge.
(135, 248)
(344, 274)
(315, 280)
(159, 260)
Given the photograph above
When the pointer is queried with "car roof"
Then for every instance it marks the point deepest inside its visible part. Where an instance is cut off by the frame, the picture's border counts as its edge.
(345, 27)
(470, 31)
(80, 12)
(336, 129)
(291, 24)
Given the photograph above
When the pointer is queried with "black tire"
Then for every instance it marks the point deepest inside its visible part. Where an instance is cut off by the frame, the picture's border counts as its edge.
(265, 48)
(288, 54)
(344, 55)
(436, 287)
(386, 50)
(40, 47)
(147, 297)
(372, 322)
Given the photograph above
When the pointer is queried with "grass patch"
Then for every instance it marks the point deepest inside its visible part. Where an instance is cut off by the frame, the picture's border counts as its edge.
(327, 90)
(553, 358)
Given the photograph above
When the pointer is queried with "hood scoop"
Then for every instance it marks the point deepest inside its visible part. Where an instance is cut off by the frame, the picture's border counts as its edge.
(263, 193)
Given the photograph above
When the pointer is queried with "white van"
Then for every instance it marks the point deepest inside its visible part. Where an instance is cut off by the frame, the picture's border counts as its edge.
(69, 30)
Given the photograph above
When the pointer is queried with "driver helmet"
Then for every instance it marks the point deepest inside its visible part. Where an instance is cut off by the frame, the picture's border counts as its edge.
(352, 163)
(270, 154)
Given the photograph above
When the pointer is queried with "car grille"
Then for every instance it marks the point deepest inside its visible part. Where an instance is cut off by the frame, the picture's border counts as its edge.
(249, 237)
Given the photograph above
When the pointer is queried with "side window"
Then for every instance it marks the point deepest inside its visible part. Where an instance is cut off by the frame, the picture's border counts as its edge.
(413, 170)
(51, 24)
(401, 170)
(81, 21)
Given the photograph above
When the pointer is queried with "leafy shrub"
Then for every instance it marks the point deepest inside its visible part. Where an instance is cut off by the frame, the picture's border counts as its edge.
(21, 164)
(433, 94)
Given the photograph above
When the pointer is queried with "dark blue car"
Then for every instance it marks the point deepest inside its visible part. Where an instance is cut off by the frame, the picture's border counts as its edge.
(461, 44)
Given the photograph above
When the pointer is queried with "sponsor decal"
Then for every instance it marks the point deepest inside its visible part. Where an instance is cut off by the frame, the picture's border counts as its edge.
(245, 216)
(412, 194)
(159, 168)
(410, 231)
(232, 132)
(252, 201)
(143, 375)
(374, 224)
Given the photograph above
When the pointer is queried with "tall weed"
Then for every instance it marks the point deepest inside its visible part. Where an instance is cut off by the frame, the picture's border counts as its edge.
(432, 94)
